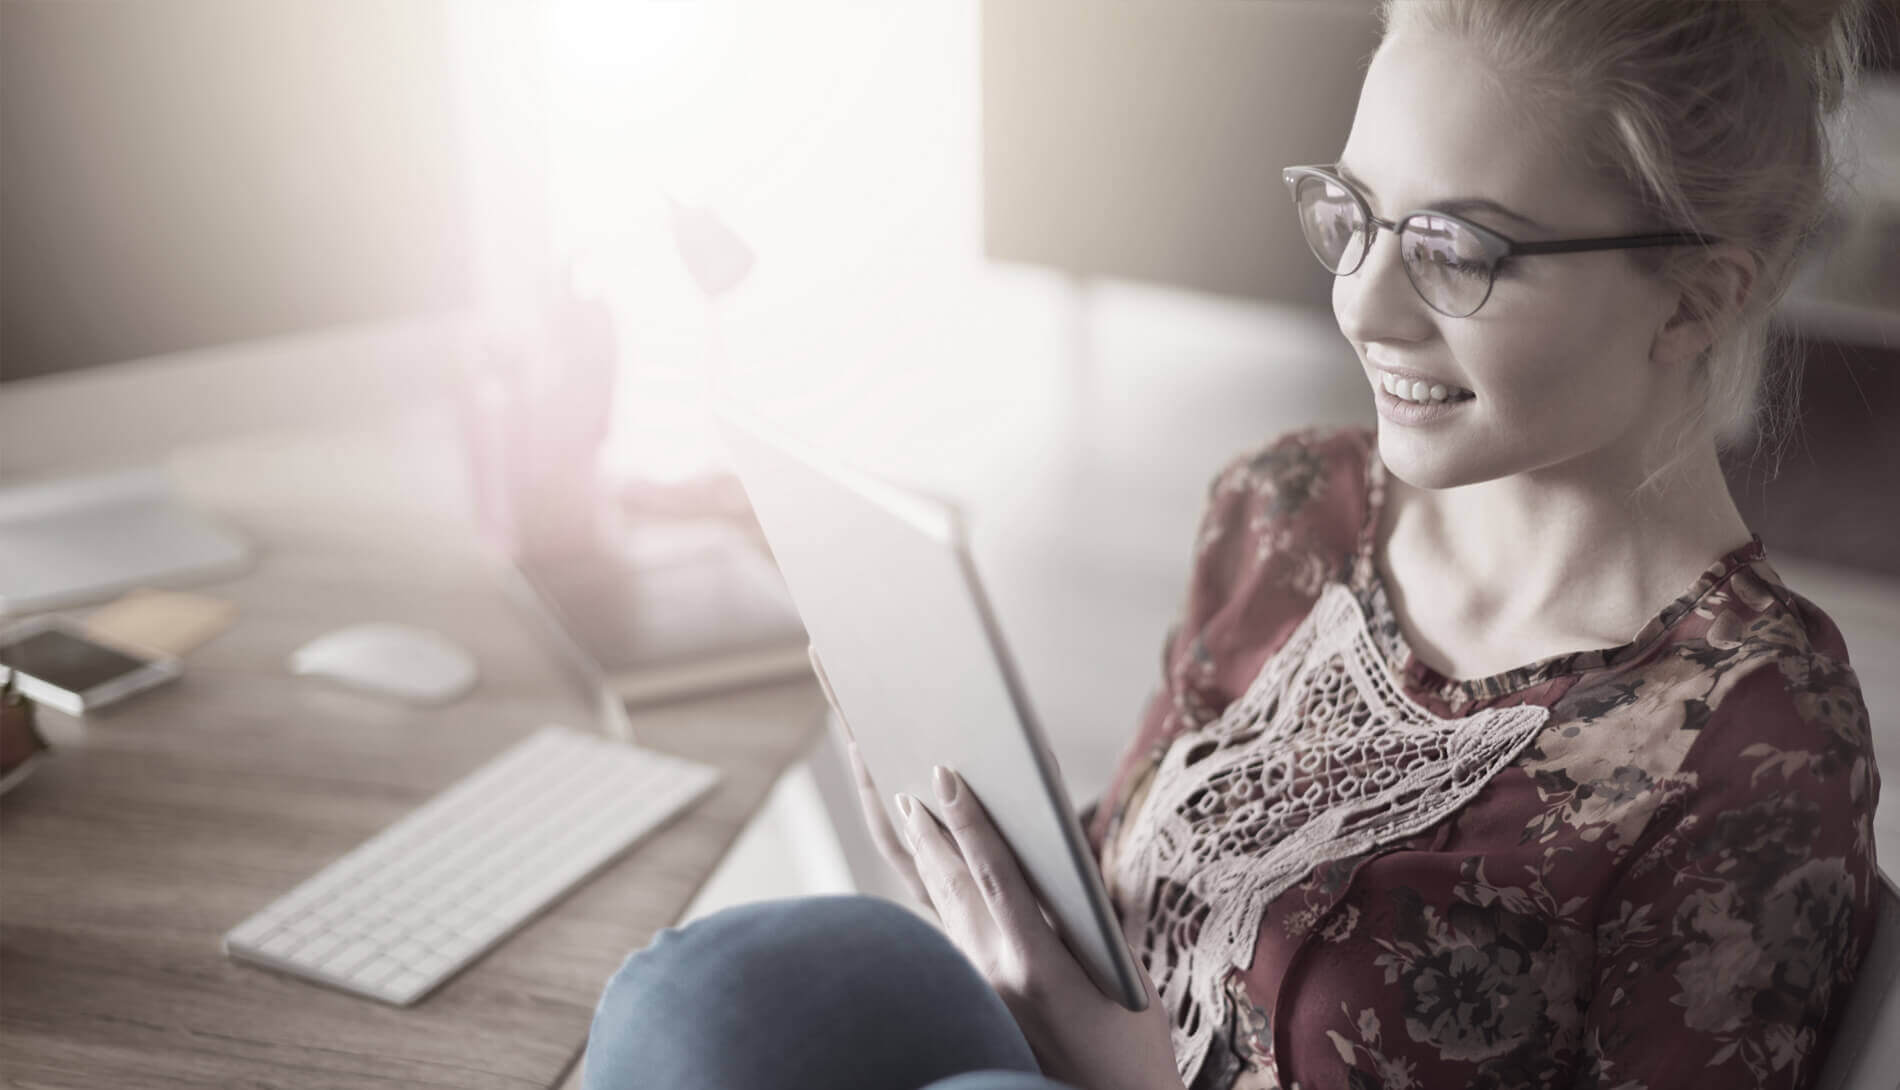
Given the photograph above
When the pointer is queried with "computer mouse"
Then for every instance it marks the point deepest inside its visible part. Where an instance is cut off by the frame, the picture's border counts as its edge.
(403, 661)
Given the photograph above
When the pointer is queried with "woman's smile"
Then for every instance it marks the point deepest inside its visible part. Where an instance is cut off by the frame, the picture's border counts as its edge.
(1405, 411)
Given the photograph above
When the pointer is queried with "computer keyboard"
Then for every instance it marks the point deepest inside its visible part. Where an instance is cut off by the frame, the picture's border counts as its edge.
(413, 905)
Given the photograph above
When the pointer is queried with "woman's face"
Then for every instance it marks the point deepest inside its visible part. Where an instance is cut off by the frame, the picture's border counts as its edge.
(1559, 356)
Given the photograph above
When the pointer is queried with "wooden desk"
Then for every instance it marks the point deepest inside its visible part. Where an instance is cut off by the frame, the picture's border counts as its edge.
(159, 824)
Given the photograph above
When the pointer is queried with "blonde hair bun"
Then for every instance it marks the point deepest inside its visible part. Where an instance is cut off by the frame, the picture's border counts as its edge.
(1813, 23)
(1830, 32)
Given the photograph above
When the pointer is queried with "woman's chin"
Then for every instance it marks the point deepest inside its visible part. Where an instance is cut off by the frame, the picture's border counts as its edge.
(1424, 464)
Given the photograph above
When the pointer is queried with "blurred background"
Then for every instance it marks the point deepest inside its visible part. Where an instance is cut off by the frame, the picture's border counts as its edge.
(1034, 255)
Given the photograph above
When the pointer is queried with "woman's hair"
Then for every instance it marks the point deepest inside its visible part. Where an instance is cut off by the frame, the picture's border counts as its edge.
(1713, 117)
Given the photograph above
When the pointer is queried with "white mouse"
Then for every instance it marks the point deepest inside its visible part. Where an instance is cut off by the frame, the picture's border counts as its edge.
(403, 661)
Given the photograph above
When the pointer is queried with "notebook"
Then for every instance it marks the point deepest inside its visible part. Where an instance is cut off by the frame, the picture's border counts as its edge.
(673, 609)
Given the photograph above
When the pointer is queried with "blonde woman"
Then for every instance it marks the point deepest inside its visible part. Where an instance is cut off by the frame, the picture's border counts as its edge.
(1490, 749)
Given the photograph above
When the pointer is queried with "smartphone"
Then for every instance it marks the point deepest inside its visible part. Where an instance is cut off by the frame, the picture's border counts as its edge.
(62, 666)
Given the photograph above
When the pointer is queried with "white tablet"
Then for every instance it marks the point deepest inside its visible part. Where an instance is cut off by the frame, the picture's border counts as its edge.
(884, 582)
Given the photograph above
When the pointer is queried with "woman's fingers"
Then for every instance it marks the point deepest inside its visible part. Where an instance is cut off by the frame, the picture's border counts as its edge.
(874, 815)
(978, 889)
(889, 844)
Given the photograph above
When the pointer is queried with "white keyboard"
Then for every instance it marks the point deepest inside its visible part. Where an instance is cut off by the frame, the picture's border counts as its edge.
(413, 905)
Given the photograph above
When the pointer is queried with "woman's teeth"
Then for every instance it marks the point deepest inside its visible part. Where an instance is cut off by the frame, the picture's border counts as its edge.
(1423, 392)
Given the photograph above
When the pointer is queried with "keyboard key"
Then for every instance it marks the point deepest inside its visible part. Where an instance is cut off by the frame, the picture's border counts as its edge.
(435, 967)
(405, 988)
(304, 925)
(281, 945)
(319, 948)
(377, 971)
(347, 959)
(435, 934)
(254, 930)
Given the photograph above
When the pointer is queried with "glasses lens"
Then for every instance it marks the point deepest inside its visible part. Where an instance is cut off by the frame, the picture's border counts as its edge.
(1447, 264)
(1330, 219)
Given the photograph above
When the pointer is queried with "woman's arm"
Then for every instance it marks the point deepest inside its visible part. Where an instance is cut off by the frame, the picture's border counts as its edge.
(1731, 940)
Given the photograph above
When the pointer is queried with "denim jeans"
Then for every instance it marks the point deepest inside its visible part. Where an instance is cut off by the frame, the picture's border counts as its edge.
(833, 993)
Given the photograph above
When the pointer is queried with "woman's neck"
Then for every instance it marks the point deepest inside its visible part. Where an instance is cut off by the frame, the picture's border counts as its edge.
(1559, 549)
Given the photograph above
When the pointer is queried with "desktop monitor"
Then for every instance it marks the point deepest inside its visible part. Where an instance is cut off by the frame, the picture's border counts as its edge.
(199, 172)
(194, 196)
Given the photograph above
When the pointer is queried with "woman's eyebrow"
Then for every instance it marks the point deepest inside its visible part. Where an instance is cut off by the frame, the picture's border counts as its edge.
(1454, 205)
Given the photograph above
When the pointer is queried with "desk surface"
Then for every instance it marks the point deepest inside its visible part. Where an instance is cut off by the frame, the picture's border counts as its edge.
(159, 824)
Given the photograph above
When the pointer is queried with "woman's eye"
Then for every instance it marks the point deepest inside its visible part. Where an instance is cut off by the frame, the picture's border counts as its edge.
(1445, 259)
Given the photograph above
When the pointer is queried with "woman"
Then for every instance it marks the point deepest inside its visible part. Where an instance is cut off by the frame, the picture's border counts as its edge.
(1413, 807)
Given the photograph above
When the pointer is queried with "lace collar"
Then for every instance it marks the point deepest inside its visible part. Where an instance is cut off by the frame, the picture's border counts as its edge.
(1323, 758)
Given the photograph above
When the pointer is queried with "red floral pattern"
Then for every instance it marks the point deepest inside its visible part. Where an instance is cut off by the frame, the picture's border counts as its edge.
(1673, 884)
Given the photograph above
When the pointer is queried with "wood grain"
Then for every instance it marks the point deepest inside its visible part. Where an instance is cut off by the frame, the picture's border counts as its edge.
(158, 825)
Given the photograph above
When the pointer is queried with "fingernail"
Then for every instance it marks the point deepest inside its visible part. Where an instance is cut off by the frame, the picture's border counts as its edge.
(903, 804)
(946, 784)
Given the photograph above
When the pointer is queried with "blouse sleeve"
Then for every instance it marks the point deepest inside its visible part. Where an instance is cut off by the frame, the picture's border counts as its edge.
(1241, 546)
(1217, 552)
(1725, 950)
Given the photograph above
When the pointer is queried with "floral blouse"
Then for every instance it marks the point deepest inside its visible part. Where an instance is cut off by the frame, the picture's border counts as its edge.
(1643, 866)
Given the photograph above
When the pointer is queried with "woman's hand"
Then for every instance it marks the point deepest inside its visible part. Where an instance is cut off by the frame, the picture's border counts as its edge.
(889, 844)
(971, 879)
(1080, 1036)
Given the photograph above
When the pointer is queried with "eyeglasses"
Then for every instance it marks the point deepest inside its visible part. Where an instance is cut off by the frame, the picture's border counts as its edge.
(1451, 262)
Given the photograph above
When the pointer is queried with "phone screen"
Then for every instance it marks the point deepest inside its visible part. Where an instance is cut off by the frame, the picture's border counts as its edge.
(66, 661)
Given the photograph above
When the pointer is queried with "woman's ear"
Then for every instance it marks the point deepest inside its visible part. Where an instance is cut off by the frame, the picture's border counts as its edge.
(1722, 284)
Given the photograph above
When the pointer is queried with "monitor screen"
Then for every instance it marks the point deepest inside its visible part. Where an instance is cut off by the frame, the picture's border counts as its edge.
(199, 172)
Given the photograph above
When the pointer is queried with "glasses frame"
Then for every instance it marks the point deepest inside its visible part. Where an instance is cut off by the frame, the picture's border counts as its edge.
(1497, 247)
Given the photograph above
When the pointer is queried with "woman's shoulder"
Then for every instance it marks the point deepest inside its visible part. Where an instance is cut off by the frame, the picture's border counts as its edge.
(1314, 477)
(1784, 680)
(1292, 461)
(1738, 663)
(1283, 519)
(1758, 611)
(1750, 695)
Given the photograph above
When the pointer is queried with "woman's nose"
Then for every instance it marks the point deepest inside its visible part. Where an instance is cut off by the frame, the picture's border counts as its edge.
(1376, 301)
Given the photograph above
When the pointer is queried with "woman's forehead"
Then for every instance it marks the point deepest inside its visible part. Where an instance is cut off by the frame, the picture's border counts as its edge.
(1434, 124)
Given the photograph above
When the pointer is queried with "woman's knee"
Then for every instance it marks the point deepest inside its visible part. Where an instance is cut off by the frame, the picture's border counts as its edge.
(798, 935)
(998, 1080)
(803, 922)
(789, 947)
(863, 971)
